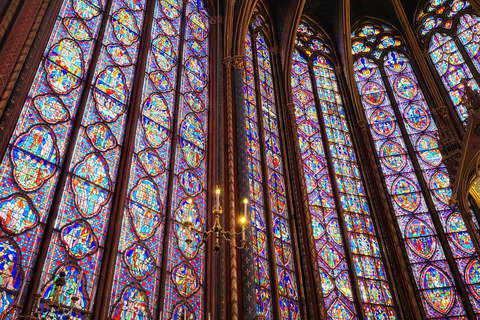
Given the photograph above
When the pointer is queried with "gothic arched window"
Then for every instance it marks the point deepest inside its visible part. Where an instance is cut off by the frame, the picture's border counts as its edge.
(405, 137)
(450, 31)
(274, 258)
(60, 169)
(348, 253)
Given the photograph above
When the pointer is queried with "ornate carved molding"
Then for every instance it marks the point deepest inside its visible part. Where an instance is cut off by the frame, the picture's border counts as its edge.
(231, 188)
(239, 62)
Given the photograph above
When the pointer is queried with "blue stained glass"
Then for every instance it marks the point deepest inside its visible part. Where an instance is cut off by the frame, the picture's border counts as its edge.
(369, 264)
(37, 147)
(83, 216)
(468, 32)
(142, 240)
(423, 136)
(452, 69)
(440, 297)
(266, 118)
(336, 283)
(258, 214)
(439, 23)
(186, 262)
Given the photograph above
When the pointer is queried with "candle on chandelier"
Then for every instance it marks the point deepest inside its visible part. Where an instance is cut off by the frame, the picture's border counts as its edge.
(245, 202)
(217, 200)
(243, 228)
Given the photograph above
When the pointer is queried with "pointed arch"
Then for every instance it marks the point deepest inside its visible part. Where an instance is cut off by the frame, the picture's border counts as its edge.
(448, 31)
(336, 199)
(404, 132)
(274, 256)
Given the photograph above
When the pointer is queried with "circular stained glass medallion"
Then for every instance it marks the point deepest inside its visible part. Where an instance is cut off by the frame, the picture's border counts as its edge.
(393, 155)
(382, 122)
(417, 117)
(405, 87)
(373, 93)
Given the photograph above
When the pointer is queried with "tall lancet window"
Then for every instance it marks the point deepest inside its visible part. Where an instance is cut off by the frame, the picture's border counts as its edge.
(59, 170)
(348, 254)
(405, 138)
(274, 262)
(440, 23)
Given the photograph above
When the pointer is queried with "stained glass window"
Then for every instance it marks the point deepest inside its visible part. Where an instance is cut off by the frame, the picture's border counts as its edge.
(141, 245)
(267, 184)
(323, 133)
(399, 120)
(32, 163)
(169, 153)
(76, 247)
(439, 23)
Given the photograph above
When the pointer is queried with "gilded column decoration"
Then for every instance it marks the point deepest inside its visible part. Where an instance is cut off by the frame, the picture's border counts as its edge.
(231, 187)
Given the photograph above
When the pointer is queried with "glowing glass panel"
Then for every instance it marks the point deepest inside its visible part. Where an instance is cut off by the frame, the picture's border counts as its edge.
(430, 269)
(336, 282)
(452, 69)
(367, 259)
(76, 247)
(30, 168)
(282, 241)
(422, 133)
(469, 34)
(257, 199)
(141, 245)
(185, 279)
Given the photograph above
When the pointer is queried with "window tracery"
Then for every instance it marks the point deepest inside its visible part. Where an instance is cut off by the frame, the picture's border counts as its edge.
(405, 138)
(267, 182)
(173, 120)
(336, 194)
(450, 31)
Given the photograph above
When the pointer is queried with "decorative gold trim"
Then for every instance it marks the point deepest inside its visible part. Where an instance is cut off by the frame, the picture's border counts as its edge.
(231, 188)
(239, 62)
(22, 56)
(8, 17)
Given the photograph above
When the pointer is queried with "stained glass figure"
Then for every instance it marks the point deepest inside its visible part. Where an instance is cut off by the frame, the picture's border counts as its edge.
(79, 235)
(438, 24)
(268, 201)
(399, 120)
(327, 220)
(36, 152)
(139, 259)
(185, 279)
(175, 82)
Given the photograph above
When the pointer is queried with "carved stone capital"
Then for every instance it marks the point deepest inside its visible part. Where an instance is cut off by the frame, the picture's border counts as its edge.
(338, 70)
(239, 62)
(228, 62)
(443, 112)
